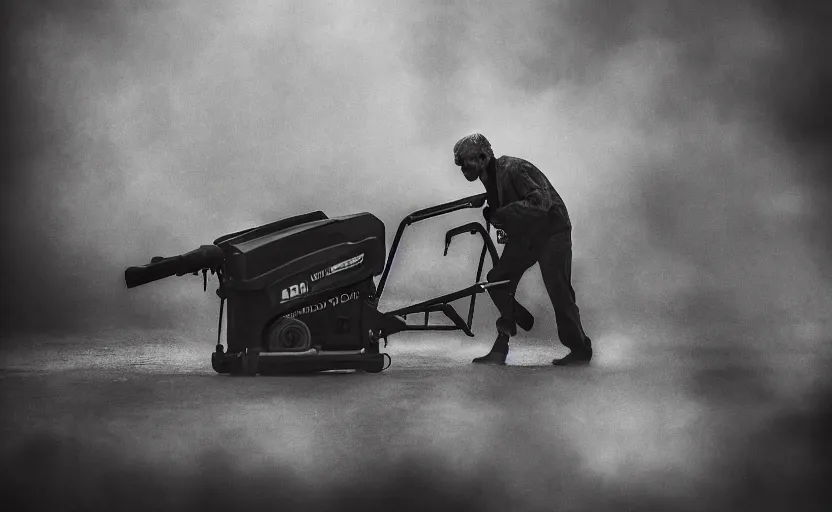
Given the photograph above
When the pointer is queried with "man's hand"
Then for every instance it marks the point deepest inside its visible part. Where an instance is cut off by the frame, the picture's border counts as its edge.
(492, 217)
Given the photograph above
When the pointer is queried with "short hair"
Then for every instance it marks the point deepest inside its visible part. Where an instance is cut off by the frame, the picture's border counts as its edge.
(475, 140)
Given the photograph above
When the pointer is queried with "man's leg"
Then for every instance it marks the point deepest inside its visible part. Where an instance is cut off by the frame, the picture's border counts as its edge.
(513, 263)
(522, 317)
(556, 268)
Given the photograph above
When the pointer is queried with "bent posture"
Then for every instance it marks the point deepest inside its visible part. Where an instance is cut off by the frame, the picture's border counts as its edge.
(524, 204)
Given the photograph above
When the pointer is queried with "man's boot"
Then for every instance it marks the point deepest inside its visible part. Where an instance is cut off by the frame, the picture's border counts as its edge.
(498, 352)
(576, 357)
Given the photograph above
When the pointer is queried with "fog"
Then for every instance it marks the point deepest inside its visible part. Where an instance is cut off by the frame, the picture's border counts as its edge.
(689, 142)
(683, 139)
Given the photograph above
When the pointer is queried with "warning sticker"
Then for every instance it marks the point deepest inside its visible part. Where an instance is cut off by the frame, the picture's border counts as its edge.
(338, 267)
(293, 291)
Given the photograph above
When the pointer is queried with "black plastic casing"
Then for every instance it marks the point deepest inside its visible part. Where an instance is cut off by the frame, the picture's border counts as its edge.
(316, 269)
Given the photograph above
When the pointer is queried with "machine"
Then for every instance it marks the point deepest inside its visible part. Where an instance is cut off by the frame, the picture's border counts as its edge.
(301, 292)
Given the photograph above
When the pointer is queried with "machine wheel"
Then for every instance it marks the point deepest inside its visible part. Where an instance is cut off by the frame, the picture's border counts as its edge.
(288, 335)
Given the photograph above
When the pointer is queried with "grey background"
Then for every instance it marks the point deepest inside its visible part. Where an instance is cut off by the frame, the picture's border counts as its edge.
(689, 140)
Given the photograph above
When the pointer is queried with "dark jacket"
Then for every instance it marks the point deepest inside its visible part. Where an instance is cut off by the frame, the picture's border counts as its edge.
(529, 208)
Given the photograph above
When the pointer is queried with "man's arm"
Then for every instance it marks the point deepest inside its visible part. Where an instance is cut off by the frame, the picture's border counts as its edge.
(531, 210)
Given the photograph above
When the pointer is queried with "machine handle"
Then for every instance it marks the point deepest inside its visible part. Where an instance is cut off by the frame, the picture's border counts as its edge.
(206, 256)
(475, 201)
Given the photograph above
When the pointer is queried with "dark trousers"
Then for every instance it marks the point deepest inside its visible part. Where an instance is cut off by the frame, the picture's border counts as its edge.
(554, 256)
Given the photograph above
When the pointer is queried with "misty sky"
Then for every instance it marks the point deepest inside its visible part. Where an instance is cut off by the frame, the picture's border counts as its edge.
(679, 137)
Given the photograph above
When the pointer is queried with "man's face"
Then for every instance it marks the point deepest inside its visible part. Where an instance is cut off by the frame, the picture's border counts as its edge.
(473, 163)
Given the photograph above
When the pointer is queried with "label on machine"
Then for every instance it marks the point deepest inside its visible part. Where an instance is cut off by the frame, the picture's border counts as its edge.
(301, 288)
(330, 302)
(338, 267)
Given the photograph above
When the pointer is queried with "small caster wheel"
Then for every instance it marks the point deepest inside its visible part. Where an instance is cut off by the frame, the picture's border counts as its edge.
(250, 359)
(374, 367)
(219, 363)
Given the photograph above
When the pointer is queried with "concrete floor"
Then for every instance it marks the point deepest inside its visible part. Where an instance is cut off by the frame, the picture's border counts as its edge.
(139, 421)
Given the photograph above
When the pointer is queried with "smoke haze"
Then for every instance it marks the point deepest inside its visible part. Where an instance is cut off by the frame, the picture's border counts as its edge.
(686, 141)
(689, 140)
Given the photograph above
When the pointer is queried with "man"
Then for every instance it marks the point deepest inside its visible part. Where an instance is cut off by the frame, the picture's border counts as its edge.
(523, 203)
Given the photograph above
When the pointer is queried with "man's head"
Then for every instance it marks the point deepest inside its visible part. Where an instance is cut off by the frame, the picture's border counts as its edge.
(473, 153)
